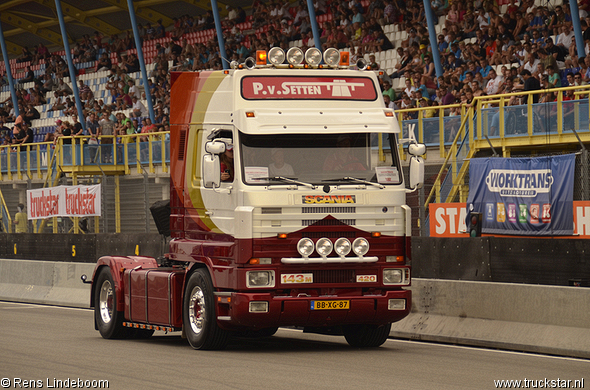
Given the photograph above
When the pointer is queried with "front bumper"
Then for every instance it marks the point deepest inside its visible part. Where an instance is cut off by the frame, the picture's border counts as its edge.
(297, 311)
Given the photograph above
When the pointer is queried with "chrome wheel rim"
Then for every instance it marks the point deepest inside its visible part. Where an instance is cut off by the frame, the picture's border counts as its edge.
(106, 302)
(197, 310)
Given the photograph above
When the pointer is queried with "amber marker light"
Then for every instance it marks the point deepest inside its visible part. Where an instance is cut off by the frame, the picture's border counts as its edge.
(260, 57)
(250, 114)
(254, 261)
(344, 58)
(389, 114)
(376, 234)
(226, 72)
(282, 235)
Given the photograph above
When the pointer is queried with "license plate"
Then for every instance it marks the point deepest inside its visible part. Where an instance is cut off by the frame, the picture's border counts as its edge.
(330, 305)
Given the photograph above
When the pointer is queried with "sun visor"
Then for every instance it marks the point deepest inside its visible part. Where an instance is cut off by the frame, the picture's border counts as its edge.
(306, 121)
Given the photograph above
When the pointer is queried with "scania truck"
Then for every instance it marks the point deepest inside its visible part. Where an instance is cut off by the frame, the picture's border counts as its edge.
(287, 208)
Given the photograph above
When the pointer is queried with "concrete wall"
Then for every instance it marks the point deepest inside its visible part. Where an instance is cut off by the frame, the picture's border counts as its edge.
(46, 282)
(532, 318)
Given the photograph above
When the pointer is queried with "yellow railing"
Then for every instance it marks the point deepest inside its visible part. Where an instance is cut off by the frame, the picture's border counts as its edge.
(33, 161)
(474, 130)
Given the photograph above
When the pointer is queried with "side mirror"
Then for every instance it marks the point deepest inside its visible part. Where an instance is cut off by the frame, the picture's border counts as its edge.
(417, 149)
(416, 172)
(215, 147)
(212, 169)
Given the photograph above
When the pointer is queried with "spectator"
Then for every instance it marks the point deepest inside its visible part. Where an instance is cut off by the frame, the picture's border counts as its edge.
(138, 107)
(29, 76)
(530, 84)
(388, 90)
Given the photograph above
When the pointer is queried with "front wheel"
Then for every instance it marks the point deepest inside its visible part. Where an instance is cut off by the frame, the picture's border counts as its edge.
(366, 336)
(199, 317)
(106, 314)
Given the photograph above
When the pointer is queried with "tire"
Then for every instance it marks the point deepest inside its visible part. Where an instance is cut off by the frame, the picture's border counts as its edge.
(198, 315)
(366, 336)
(108, 319)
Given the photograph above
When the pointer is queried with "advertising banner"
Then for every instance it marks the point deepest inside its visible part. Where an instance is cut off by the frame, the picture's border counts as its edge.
(523, 196)
(64, 201)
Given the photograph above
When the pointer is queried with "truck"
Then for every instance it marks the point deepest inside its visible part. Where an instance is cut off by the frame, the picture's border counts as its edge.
(287, 209)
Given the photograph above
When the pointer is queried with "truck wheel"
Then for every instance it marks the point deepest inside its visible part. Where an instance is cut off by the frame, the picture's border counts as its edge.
(108, 318)
(366, 336)
(199, 318)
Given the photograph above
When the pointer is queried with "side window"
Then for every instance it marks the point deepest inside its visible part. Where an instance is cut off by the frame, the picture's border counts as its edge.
(226, 160)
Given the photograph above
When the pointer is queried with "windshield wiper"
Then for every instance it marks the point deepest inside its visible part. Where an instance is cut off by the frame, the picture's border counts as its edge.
(288, 180)
(349, 178)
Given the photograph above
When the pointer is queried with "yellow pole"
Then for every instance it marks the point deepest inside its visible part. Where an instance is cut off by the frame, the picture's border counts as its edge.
(117, 206)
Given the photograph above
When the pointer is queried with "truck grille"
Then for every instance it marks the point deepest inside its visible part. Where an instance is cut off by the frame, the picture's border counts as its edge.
(333, 276)
(328, 222)
(328, 210)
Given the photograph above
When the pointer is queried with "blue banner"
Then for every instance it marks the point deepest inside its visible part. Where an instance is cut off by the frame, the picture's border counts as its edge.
(523, 196)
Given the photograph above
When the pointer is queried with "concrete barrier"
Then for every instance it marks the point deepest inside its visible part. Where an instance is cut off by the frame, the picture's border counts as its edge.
(532, 318)
(520, 317)
(47, 282)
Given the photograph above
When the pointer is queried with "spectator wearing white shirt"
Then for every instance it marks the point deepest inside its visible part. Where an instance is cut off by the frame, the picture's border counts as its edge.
(494, 84)
(565, 38)
(138, 107)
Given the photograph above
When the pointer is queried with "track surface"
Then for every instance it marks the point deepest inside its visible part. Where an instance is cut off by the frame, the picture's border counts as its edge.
(47, 343)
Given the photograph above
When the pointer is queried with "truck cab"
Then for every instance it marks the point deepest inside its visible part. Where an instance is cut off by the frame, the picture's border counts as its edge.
(287, 205)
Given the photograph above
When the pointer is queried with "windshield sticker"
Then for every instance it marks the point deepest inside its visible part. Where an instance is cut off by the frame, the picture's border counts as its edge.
(321, 199)
(256, 175)
(306, 88)
(387, 175)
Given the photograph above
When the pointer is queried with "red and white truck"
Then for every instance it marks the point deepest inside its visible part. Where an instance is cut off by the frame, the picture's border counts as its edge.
(287, 209)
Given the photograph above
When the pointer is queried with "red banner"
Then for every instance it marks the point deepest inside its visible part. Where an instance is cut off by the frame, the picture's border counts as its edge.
(306, 88)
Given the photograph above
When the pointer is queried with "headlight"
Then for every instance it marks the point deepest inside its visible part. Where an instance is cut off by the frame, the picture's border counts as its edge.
(305, 247)
(323, 246)
(260, 279)
(360, 246)
(313, 56)
(276, 56)
(295, 56)
(396, 276)
(332, 57)
(342, 246)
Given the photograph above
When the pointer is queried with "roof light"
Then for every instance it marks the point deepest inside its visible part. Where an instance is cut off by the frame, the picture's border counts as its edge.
(313, 56)
(332, 57)
(295, 56)
(260, 57)
(276, 56)
(345, 58)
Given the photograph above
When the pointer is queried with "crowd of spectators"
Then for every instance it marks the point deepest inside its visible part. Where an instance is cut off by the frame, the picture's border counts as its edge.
(475, 38)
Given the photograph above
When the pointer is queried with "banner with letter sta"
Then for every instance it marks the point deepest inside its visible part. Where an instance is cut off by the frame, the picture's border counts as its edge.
(449, 219)
(64, 201)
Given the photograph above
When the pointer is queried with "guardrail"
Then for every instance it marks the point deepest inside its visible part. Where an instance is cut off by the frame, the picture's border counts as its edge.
(32, 161)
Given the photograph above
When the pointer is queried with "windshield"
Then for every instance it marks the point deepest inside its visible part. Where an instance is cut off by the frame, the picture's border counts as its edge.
(318, 159)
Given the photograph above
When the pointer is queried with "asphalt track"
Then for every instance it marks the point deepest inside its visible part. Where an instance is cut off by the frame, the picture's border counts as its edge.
(48, 344)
